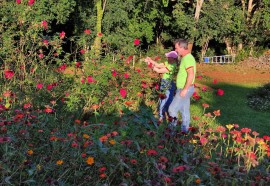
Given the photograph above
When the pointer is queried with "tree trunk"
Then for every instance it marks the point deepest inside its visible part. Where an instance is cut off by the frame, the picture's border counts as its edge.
(228, 45)
(204, 48)
(97, 41)
(196, 18)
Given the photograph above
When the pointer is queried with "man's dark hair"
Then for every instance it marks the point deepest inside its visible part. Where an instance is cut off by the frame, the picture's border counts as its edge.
(182, 43)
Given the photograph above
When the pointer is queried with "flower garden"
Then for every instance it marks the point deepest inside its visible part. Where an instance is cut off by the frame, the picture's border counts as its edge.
(72, 119)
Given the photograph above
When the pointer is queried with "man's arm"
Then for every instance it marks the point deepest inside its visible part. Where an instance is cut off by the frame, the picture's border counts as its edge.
(190, 77)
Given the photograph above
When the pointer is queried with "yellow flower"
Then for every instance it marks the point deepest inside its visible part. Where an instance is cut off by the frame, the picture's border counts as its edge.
(229, 126)
(90, 160)
(30, 152)
(38, 167)
(193, 141)
(59, 162)
(112, 142)
(86, 136)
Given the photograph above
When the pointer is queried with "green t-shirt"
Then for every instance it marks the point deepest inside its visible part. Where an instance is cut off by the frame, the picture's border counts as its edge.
(186, 62)
(171, 68)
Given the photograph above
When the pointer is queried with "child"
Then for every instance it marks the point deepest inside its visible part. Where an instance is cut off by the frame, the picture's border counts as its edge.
(167, 85)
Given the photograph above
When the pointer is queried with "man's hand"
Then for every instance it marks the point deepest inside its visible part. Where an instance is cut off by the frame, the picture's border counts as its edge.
(183, 92)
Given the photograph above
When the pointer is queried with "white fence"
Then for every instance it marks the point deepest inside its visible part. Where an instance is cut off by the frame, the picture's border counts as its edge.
(220, 59)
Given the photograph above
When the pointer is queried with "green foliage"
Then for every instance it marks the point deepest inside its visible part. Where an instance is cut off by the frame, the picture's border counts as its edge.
(259, 99)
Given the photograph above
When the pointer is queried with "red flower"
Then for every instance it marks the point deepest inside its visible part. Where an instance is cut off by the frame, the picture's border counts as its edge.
(8, 74)
(48, 110)
(123, 92)
(99, 34)
(157, 58)
(114, 73)
(18, 1)
(220, 92)
(31, 2)
(44, 24)
(62, 35)
(87, 31)
(62, 67)
(129, 59)
(180, 168)
(39, 86)
(199, 77)
(267, 138)
(49, 87)
(214, 81)
(126, 75)
(196, 96)
(133, 161)
(82, 51)
(103, 175)
(163, 159)
(245, 130)
(167, 179)
(102, 169)
(78, 64)
(136, 42)
(204, 89)
(150, 65)
(151, 152)
(5, 139)
(90, 79)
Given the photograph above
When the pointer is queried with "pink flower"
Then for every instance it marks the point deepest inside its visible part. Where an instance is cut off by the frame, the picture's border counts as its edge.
(129, 59)
(44, 24)
(123, 92)
(18, 1)
(87, 31)
(39, 86)
(196, 96)
(126, 75)
(157, 87)
(45, 42)
(8, 74)
(220, 92)
(62, 35)
(41, 56)
(82, 81)
(150, 65)
(204, 89)
(199, 77)
(82, 51)
(215, 81)
(90, 79)
(203, 140)
(31, 2)
(136, 42)
(5, 139)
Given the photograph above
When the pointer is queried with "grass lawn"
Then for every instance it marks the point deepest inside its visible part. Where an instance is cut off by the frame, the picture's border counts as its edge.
(233, 105)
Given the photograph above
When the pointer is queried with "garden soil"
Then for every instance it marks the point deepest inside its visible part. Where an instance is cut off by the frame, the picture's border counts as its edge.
(246, 72)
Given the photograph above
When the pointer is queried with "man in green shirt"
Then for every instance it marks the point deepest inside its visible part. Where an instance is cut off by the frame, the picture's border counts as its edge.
(185, 86)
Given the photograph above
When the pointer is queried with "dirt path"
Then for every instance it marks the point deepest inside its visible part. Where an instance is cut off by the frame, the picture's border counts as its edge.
(234, 73)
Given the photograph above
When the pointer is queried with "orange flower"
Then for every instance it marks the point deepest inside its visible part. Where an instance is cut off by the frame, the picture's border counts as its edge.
(217, 112)
(198, 181)
(86, 136)
(90, 160)
(30, 152)
(128, 103)
(95, 106)
(59, 162)
(112, 142)
(103, 138)
(103, 175)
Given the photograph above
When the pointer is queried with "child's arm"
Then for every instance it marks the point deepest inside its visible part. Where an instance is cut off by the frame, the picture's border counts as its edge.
(155, 64)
